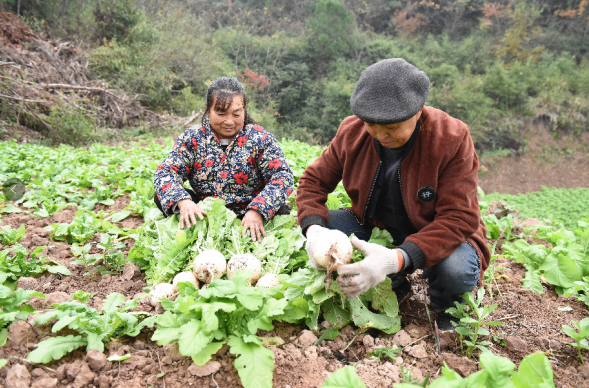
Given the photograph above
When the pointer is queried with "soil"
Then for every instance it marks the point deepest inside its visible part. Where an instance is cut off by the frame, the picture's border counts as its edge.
(532, 323)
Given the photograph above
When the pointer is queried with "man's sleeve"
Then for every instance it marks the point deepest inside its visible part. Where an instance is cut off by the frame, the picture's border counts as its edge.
(318, 180)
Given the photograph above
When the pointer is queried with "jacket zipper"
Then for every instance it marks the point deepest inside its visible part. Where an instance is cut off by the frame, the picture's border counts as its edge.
(403, 199)
(370, 193)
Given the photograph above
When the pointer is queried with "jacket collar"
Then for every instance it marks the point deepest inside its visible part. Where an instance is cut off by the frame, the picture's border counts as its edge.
(408, 146)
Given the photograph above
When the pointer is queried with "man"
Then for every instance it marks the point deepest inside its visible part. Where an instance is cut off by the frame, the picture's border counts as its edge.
(409, 169)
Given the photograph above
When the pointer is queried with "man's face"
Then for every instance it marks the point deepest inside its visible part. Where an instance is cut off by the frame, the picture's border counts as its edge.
(393, 135)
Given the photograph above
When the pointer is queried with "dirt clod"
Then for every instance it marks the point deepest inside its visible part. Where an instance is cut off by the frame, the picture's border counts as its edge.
(307, 338)
(45, 382)
(26, 283)
(18, 377)
(462, 365)
(21, 333)
(172, 351)
(207, 369)
(516, 344)
(95, 359)
(418, 351)
(84, 377)
(402, 339)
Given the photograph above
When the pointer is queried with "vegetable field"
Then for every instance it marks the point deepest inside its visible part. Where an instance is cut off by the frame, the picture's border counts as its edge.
(82, 248)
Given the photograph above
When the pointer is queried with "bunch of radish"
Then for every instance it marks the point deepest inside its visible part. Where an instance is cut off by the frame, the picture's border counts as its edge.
(210, 265)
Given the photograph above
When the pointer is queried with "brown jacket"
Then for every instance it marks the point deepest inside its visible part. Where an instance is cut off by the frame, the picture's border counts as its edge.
(442, 161)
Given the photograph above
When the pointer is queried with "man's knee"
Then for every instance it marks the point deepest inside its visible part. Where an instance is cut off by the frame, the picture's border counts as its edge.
(460, 270)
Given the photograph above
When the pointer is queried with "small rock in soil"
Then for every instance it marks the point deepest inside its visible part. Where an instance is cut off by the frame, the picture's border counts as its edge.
(311, 353)
(348, 331)
(418, 352)
(416, 331)
(95, 359)
(417, 374)
(46, 382)
(173, 351)
(402, 338)
(548, 344)
(584, 370)
(207, 369)
(72, 370)
(516, 344)
(84, 377)
(325, 325)
(57, 297)
(41, 232)
(139, 345)
(462, 365)
(18, 377)
(130, 270)
(293, 351)
(368, 341)
(20, 333)
(26, 283)
(60, 372)
(307, 338)
(167, 360)
(446, 341)
(103, 381)
(38, 373)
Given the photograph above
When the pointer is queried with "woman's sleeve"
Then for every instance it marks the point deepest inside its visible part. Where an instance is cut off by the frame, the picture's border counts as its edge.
(278, 179)
(174, 170)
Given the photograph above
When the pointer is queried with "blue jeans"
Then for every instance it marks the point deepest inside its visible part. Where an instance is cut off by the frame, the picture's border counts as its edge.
(447, 280)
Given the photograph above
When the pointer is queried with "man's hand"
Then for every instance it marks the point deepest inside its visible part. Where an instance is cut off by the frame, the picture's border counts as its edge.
(355, 279)
(187, 211)
(319, 233)
(255, 223)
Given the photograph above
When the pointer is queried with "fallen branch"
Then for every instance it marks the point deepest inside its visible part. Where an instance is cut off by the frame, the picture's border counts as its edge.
(73, 87)
(53, 61)
(22, 99)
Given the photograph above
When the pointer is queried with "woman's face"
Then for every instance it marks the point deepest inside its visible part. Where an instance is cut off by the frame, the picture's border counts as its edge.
(393, 135)
(226, 124)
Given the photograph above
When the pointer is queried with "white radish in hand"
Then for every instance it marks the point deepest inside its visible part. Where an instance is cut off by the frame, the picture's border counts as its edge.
(269, 280)
(184, 277)
(246, 262)
(162, 290)
(209, 265)
(333, 250)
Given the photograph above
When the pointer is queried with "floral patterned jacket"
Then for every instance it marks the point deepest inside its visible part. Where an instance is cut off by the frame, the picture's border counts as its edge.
(251, 173)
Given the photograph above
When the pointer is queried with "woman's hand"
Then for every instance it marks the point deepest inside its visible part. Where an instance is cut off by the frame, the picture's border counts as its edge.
(187, 211)
(255, 223)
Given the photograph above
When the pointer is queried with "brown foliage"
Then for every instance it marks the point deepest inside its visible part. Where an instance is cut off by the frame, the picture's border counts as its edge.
(407, 25)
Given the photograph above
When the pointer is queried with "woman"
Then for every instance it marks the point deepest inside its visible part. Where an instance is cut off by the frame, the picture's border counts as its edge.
(229, 157)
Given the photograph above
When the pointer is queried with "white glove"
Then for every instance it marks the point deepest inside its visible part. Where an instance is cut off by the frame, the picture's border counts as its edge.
(355, 279)
(319, 233)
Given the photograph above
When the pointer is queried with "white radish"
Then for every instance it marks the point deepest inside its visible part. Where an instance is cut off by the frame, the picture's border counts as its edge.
(184, 277)
(162, 290)
(333, 250)
(246, 262)
(209, 265)
(269, 280)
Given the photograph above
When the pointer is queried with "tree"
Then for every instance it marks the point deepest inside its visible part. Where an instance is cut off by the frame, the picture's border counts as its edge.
(329, 31)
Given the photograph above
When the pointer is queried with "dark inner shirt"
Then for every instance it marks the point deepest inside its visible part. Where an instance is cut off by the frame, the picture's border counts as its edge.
(390, 209)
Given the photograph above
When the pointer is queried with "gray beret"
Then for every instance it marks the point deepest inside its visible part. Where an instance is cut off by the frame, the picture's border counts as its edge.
(390, 91)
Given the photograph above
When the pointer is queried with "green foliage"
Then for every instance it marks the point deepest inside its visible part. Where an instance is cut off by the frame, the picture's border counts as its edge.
(471, 322)
(580, 335)
(10, 236)
(113, 260)
(95, 328)
(344, 377)
(80, 230)
(561, 265)
(386, 352)
(563, 205)
(163, 249)
(12, 306)
(21, 265)
(498, 372)
(201, 321)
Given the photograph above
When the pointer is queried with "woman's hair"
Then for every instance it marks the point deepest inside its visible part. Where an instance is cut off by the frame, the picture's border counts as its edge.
(221, 93)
